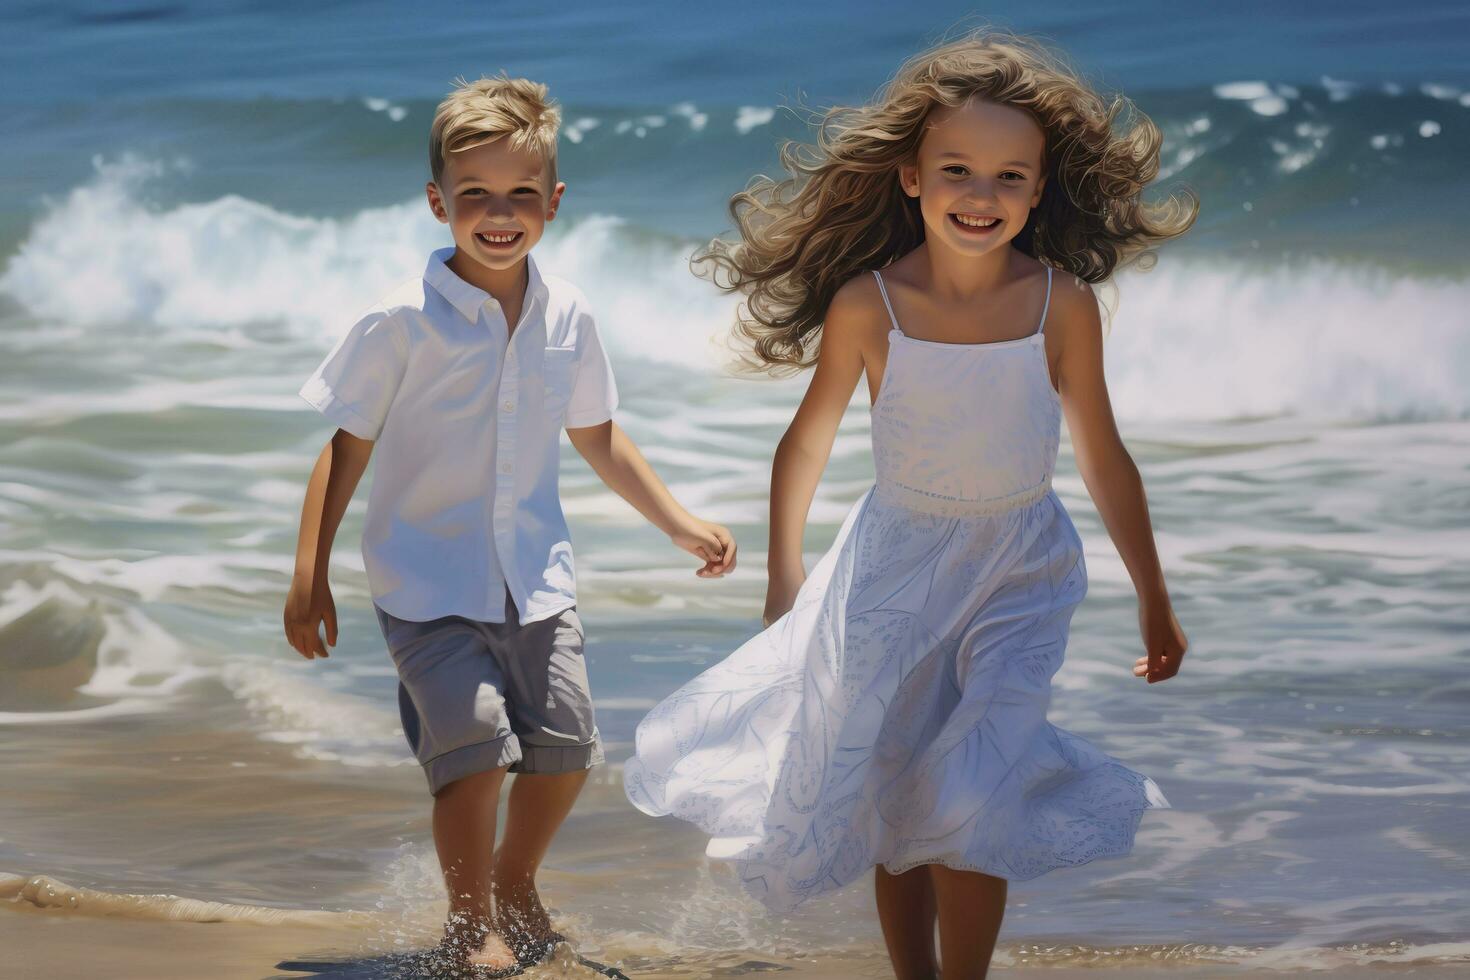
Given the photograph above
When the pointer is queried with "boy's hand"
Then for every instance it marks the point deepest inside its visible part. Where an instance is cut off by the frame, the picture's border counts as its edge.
(1163, 639)
(308, 607)
(710, 542)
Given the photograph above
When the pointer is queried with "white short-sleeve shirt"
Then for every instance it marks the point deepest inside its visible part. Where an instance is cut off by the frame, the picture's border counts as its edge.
(466, 416)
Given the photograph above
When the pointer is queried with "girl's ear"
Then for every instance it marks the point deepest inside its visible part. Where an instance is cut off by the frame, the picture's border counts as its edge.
(1040, 186)
(908, 178)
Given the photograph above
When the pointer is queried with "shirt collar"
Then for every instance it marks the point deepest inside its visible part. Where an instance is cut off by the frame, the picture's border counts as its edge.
(468, 299)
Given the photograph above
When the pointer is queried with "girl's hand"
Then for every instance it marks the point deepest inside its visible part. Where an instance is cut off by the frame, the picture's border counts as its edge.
(308, 607)
(1163, 639)
(712, 543)
(780, 596)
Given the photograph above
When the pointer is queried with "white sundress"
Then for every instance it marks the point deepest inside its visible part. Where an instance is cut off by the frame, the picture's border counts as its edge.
(897, 714)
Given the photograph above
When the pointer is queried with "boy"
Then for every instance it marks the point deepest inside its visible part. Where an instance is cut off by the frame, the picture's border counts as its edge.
(462, 380)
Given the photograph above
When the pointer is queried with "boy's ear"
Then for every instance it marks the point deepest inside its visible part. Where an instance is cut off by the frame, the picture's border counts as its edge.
(436, 202)
(908, 178)
(554, 201)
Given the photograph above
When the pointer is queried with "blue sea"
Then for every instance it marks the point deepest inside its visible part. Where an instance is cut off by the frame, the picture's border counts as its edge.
(196, 199)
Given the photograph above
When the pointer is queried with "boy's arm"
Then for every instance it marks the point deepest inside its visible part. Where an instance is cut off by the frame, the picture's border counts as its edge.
(1112, 478)
(309, 603)
(619, 464)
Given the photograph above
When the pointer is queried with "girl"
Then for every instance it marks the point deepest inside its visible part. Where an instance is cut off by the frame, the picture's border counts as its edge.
(892, 715)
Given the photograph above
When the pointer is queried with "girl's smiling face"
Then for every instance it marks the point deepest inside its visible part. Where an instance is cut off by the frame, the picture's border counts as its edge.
(977, 176)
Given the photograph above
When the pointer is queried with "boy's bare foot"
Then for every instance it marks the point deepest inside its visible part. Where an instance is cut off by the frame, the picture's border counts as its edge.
(475, 944)
(522, 919)
(495, 954)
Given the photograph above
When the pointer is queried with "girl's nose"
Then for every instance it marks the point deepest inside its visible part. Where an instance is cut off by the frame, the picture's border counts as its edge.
(981, 191)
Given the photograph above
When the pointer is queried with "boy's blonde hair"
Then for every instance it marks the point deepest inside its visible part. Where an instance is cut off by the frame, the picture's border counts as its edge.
(482, 111)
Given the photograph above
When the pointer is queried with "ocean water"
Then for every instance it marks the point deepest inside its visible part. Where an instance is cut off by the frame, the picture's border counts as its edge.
(199, 198)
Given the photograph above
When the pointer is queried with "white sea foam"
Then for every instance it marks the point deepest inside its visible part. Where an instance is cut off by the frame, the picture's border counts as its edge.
(748, 117)
(71, 655)
(689, 111)
(396, 113)
(294, 708)
(1189, 340)
(577, 129)
(1338, 90)
(1264, 99)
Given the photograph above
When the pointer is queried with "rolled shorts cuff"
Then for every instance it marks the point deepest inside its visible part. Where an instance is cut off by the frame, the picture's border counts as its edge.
(496, 753)
(552, 759)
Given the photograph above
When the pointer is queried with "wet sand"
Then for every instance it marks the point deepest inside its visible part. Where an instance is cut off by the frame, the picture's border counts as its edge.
(59, 946)
(291, 867)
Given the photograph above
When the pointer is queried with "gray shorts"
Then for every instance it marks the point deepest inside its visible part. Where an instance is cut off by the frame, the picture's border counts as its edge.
(480, 696)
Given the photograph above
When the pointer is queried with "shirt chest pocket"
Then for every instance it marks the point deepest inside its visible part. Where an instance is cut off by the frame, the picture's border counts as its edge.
(558, 370)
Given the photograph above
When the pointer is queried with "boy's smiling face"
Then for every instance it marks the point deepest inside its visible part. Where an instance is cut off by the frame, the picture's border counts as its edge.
(978, 175)
(496, 201)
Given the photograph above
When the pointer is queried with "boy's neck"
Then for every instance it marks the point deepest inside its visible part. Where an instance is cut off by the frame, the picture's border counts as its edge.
(508, 286)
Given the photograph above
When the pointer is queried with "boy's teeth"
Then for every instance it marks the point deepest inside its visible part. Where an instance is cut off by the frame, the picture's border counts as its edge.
(499, 239)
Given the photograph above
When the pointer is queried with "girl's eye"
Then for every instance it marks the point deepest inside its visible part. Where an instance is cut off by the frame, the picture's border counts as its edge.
(1011, 174)
(956, 169)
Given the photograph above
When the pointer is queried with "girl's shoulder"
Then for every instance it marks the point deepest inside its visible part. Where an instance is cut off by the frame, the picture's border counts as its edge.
(1074, 308)
(857, 303)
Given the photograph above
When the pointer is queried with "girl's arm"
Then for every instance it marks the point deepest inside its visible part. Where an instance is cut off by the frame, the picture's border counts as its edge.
(309, 603)
(618, 463)
(802, 453)
(1112, 477)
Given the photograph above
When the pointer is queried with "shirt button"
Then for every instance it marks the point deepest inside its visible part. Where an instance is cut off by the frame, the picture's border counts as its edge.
(505, 467)
(509, 406)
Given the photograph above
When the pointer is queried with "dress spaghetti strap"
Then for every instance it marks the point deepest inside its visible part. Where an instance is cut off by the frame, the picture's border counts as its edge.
(1045, 306)
(884, 293)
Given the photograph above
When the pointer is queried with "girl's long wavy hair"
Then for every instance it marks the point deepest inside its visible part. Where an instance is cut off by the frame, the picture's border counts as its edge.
(842, 212)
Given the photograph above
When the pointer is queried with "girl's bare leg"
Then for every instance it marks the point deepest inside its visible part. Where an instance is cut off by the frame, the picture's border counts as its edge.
(971, 906)
(464, 836)
(906, 911)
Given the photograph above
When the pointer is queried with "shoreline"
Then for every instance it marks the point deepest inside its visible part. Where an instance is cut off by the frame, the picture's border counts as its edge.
(61, 945)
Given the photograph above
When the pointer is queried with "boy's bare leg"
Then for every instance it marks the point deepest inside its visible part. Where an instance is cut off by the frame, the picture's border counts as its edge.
(539, 803)
(971, 906)
(464, 836)
(906, 912)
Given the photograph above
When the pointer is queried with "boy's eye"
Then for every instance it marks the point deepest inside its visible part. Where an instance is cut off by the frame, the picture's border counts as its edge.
(525, 190)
